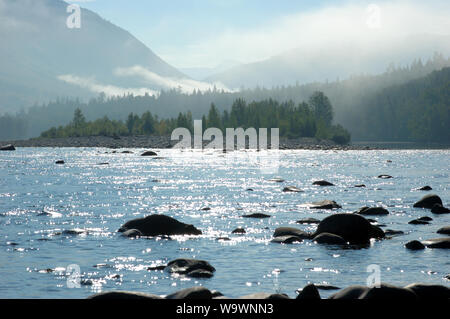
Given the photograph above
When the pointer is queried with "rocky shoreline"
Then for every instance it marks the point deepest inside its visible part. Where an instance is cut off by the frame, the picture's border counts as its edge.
(164, 142)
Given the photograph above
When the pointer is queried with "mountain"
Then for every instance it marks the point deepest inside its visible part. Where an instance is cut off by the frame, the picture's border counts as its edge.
(41, 58)
(331, 61)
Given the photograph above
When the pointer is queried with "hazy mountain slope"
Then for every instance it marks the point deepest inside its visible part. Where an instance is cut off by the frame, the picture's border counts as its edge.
(37, 47)
(306, 65)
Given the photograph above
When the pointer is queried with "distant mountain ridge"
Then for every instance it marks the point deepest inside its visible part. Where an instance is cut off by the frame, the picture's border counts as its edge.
(38, 48)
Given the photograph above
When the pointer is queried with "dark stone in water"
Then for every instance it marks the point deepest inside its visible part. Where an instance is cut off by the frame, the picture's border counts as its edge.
(425, 218)
(353, 228)
(8, 147)
(256, 215)
(323, 183)
(437, 243)
(372, 211)
(157, 268)
(439, 209)
(288, 239)
(191, 268)
(325, 204)
(414, 245)
(360, 186)
(291, 231)
(425, 188)
(149, 153)
(60, 162)
(223, 239)
(239, 230)
(249, 189)
(385, 176)
(330, 239)
(192, 293)
(264, 295)
(418, 222)
(428, 201)
(155, 225)
(444, 230)
(309, 292)
(276, 180)
(206, 209)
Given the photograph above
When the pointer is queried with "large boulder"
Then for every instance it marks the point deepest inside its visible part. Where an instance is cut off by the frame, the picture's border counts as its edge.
(372, 211)
(8, 147)
(414, 245)
(353, 228)
(428, 201)
(191, 268)
(156, 225)
(123, 295)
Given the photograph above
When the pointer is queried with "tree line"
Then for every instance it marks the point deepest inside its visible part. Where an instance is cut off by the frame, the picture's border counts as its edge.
(307, 119)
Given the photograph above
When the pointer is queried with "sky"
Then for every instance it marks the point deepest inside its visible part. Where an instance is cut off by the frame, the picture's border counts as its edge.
(207, 33)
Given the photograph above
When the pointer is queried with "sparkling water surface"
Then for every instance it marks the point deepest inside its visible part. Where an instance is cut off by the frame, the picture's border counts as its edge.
(40, 201)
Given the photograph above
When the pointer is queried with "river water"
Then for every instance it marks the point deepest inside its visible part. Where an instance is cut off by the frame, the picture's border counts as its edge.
(40, 201)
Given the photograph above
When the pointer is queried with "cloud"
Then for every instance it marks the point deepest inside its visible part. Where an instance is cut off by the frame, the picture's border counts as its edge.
(184, 84)
(109, 90)
(324, 30)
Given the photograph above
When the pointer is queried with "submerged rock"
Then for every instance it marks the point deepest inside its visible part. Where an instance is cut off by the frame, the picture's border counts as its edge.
(384, 176)
(392, 232)
(323, 183)
(292, 189)
(360, 186)
(353, 228)
(256, 215)
(325, 204)
(60, 162)
(372, 211)
(155, 225)
(437, 243)
(287, 239)
(8, 147)
(425, 188)
(428, 201)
